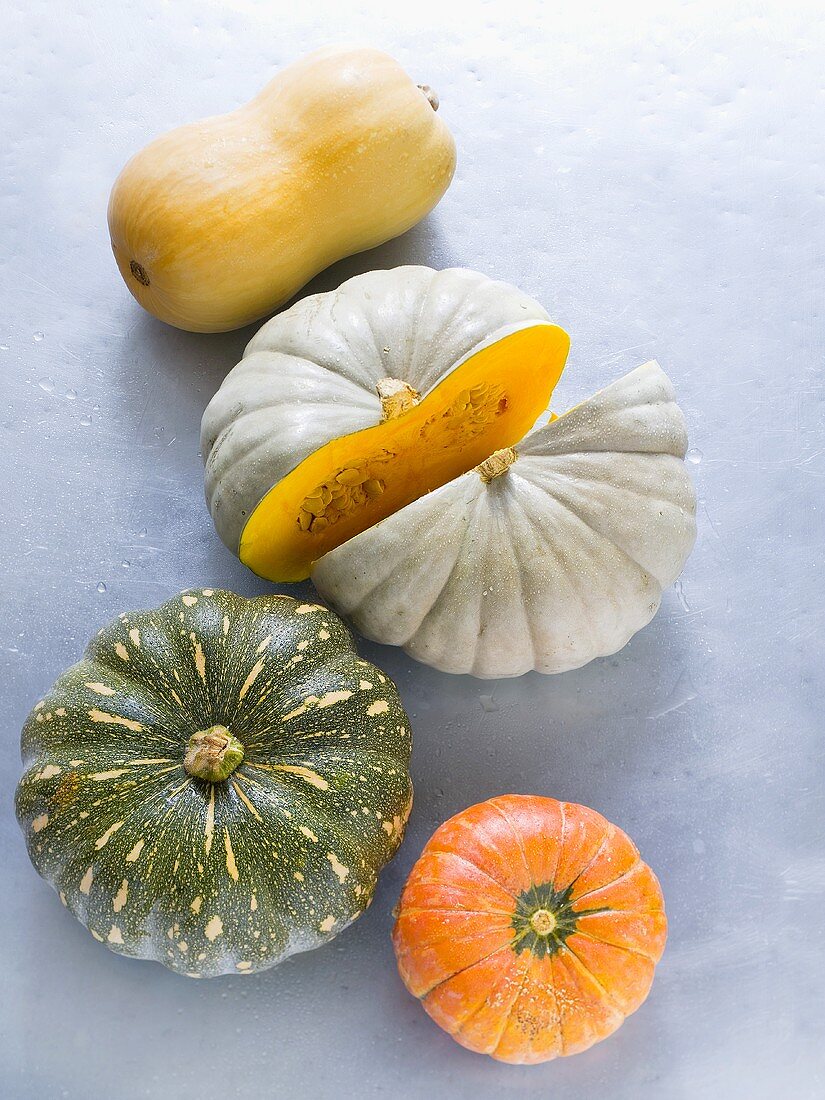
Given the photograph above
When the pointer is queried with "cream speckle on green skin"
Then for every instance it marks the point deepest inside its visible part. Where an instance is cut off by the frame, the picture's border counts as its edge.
(134, 634)
(307, 774)
(249, 805)
(115, 720)
(200, 659)
(302, 709)
(327, 924)
(308, 833)
(231, 866)
(101, 689)
(213, 928)
(338, 867)
(331, 697)
(190, 601)
(122, 651)
(250, 680)
(103, 840)
(134, 853)
(209, 827)
(48, 772)
(121, 896)
(380, 706)
(86, 882)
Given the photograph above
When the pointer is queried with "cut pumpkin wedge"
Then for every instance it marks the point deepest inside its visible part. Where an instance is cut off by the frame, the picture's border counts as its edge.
(487, 402)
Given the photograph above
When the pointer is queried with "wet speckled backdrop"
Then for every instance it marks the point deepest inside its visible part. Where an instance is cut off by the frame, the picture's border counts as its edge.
(653, 173)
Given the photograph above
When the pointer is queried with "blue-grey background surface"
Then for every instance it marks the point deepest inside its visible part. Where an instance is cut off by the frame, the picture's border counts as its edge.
(654, 174)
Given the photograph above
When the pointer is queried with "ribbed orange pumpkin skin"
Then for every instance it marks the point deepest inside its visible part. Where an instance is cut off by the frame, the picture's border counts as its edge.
(470, 939)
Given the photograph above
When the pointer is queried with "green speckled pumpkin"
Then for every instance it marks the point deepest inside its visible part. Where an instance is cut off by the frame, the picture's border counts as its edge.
(218, 783)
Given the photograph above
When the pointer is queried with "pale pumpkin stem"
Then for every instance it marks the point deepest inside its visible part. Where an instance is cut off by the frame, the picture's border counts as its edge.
(497, 464)
(430, 95)
(213, 754)
(397, 397)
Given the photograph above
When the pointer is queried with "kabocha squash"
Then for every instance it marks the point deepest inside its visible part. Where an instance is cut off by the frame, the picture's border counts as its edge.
(218, 783)
(217, 223)
(547, 555)
(352, 404)
(529, 928)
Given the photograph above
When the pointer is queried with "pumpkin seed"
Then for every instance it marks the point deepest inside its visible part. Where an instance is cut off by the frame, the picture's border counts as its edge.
(350, 477)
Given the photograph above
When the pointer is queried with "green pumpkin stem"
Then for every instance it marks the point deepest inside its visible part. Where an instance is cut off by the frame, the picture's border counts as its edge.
(213, 754)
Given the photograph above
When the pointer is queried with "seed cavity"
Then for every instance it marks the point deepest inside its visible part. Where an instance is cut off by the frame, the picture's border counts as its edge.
(350, 488)
(355, 486)
(470, 412)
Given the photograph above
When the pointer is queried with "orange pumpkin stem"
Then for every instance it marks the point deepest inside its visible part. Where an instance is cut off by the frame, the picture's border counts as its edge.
(542, 922)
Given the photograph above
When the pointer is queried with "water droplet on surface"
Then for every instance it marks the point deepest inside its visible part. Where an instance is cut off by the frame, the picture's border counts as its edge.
(142, 533)
(694, 455)
(488, 703)
(71, 395)
(85, 421)
(46, 385)
(4, 347)
(125, 564)
(39, 336)
(101, 587)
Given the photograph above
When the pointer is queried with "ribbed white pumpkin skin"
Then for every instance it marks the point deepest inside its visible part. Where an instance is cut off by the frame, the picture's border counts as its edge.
(309, 375)
(560, 560)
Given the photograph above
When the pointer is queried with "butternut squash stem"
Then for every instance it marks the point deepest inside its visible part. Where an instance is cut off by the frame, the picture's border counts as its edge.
(430, 95)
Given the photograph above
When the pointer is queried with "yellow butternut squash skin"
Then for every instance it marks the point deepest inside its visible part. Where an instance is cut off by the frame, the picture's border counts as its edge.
(216, 224)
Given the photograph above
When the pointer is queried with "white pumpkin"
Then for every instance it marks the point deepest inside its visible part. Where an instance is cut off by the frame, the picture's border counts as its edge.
(546, 556)
(312, 373)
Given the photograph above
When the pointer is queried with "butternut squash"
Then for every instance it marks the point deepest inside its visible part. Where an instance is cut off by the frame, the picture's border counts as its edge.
(216, 224)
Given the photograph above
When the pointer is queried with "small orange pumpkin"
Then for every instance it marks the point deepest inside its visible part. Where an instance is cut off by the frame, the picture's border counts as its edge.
(529, 928)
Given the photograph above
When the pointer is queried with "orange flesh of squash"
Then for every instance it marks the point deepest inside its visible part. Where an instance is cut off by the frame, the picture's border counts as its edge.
(486, 403)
